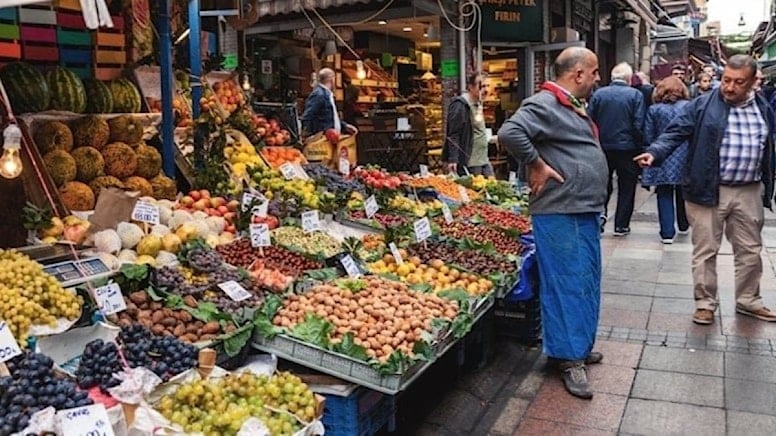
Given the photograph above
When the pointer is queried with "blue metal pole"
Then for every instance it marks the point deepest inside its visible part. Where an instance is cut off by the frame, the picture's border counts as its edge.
(165, 60)
(194, 56)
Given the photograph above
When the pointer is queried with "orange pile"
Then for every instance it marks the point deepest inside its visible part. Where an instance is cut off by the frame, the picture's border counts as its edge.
(277, 156)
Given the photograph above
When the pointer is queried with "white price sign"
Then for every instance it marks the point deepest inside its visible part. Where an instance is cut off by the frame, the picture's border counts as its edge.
(234, 290)
(344, 166)
(145, 212)
(396, 254)
(350, 266)
(8, 346)
(423, 170)
(250, 197)
(109, 299)
(371, 207)
(447, 214)
(512, 177)
(260, 236)
(464, 194)
(85, 421)
(288, 170)
(422, 229)
(310, 221)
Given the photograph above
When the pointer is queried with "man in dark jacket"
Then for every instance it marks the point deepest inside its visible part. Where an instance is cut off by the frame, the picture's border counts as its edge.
(727, 179)
(619, 111)
(320, 110)
(466, 142)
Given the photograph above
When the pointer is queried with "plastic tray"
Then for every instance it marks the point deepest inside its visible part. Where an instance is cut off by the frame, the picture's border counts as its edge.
(363, 412)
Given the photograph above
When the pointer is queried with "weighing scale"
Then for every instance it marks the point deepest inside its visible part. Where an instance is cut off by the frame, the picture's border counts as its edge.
(58, 260)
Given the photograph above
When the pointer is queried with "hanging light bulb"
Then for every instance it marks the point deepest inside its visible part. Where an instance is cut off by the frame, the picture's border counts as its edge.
(11, 162)
(246, 84)
(360, 70)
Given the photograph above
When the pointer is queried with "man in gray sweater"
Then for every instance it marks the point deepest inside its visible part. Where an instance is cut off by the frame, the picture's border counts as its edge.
(553, 135)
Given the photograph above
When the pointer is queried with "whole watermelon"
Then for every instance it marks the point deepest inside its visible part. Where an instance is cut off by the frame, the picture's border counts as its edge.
(67, 90)
(126, 97)
(26, 87)
(99, 99)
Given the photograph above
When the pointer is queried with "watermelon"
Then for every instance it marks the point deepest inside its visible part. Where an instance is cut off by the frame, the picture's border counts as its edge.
(99, 100)
(126, 97)
(67, 90)
(26, 87)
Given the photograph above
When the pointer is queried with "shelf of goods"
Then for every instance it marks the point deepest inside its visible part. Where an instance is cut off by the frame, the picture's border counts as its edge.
(499, 87)
(378, 85)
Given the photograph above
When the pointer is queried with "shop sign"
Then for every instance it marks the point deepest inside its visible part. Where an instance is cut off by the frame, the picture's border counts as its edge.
(512, 20)
(450, 68)
(230, 62)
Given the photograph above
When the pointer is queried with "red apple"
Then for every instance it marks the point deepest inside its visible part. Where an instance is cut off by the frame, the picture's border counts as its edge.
(223, 209)
(195, 195)
(205, 193)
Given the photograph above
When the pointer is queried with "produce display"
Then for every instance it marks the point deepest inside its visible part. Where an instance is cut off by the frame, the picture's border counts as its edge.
(500, 240)
(220, 406)
(67, 90)
(496, 216)
(272, 184)
(33, 386)
(26, 87)
(476, 261)
(125, 96)
(277, 156)
(438, 276)
(225, 95)
(29, 296)
(241, 253)
(377, 178)
(401, 203)
(313, 244)
(378, 220)
(442, 185)
(333, 181)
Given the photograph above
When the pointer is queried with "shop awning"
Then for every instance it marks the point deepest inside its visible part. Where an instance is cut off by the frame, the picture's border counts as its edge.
(279, 7)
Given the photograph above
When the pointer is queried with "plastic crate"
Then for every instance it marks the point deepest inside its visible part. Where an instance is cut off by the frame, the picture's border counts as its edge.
(521, 320)
(363, 412)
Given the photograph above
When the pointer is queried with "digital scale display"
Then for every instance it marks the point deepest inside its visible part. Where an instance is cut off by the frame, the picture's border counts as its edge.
(74, 272)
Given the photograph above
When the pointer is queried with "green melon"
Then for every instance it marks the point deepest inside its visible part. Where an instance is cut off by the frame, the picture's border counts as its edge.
(67, 90)
(99, 99)
(26, 87)
(126, 97)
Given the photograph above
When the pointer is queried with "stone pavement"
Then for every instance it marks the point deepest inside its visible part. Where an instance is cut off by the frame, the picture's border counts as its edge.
(662, 374)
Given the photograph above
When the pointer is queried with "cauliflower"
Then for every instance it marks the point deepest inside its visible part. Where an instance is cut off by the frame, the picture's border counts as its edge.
(107, 241)
(110, 261)
(165, 213)
(202, 228)
(179, 218)
(130, 234)
(216, 223)
(127, 256)
(165, 258)
(160, 230)
(165, 203)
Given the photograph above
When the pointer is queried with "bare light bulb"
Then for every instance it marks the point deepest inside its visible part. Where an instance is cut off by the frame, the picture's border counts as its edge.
(246, 85)
(11, 162)
(360, 70)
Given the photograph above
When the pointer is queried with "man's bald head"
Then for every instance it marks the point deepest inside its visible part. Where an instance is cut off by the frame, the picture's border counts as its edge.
(576, 69)
(326, 77)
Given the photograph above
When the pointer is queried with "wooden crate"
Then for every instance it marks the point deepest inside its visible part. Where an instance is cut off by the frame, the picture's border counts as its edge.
(38, 34)
(110, 50)
(10, 45)
(74, 40)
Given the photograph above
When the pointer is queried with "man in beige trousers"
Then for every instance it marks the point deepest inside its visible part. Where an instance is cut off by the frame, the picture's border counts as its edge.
(727, 179)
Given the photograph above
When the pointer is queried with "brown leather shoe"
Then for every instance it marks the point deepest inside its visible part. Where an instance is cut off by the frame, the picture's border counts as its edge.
(703, 316)
(762, 313)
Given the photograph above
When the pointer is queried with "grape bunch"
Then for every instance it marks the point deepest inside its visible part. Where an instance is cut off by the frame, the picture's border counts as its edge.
(205, 259)
(31, 387)
(221, 406)
(99, 361)
(333, 180)
(177, 279)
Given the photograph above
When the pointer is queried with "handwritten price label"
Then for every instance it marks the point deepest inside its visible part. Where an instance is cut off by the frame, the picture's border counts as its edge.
(109, 299)
(234, 290)
(310, 221)
(288, 170)
(512, 177)
(464, 194)
(371, 207)
(447, 214)
(344, 166)
(422, 229)
(85, 421)
(145, 212)
(423, 170)
(251, 197)
(396, 253)
(8, 346)
(260, 236)
(350, 266)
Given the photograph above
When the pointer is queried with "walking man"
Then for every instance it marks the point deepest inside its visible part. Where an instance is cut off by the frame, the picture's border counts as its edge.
(553, 135)
(728, 178)
(320, 111)
(619, 111)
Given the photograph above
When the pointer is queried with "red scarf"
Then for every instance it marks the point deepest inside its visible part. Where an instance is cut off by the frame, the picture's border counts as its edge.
(571, 102)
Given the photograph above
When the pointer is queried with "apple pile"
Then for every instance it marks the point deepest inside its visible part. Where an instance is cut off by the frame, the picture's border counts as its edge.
(226, 94)
(179, 106)
(200, 200)
(377, 178)
(270, 130)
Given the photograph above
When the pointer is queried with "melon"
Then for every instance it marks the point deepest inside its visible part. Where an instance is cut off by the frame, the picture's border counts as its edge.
(66, 89)
(99, 99)
(26, 87)
(126, 97)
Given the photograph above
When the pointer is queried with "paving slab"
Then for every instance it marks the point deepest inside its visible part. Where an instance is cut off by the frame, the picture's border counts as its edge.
(750, 424)
(683, 360)
(627, 302)
(627, 287)
(614, 317)
(750, 396)
(748, 367)
(673, 291)
(553, 403)
(680, 388)
(611, 379)
(534, 426)
(645, 417)
(673, 305)
(619, 354)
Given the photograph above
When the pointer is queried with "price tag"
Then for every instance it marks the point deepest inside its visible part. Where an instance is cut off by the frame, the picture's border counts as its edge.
(464, 194)
(8, 346)
(234, 290)
(344, 166)
(310, 221)
(350, 266)
(396, 254)
(447, 214)
(260, 236)
(288, 170)
(145, 212)
(512, 177)
(300, 172)
(423, 170)
(371, 207)
(422, 229)
(262, 209)
(109, 299)
(250, 197)
(85, 421)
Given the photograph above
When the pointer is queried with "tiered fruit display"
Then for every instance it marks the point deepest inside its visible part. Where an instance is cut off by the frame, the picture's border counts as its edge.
(67, 90)
(273, 267)
(313, 244)
(271, 130)
(220, 406)
(379, 220)
(225, 95)
(496, 216)
(475, 261)
(442, 185)
(29, 296)
(126, 96)
(33, 386)
(501, 241)
(242, 155)
(401, 203)
(180, 109)
(26, 87)
(333, 181)
(377, 178)
(272, 184)
(383, 317)
(277, 156)
(436, 274)
(201, 200)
